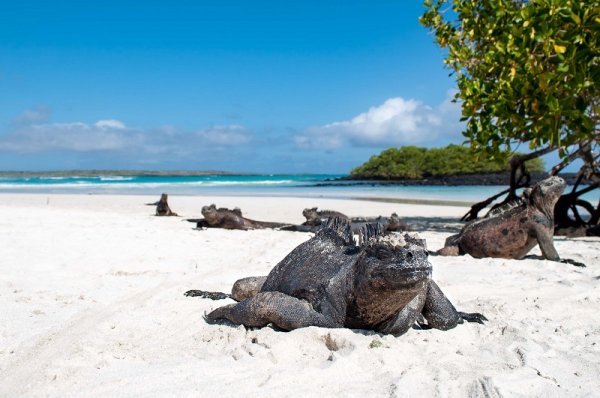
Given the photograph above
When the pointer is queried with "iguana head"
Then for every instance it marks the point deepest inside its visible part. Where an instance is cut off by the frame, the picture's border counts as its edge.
(210, 213)
(311, 213)
(546, 193)
(395, 223)
(394, 262)
(390, 272)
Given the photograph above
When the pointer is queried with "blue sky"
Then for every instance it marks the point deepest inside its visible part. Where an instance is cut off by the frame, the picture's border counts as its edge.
(262, 86)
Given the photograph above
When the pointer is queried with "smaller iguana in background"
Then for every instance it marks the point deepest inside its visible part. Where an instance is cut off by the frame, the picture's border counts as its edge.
(511, 231)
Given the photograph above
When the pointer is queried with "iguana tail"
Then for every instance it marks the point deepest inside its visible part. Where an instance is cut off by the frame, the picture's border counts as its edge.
(208, 295)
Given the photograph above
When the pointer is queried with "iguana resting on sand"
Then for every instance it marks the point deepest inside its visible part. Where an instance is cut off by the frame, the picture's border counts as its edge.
(512, 231)
(316, 217)
(162, 206)
(392, 223)
(383, 284)
(231, 219)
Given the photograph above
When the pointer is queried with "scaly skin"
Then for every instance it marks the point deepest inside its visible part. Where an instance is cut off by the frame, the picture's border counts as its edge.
(231, 219)
(316, 217)
(513, 232)
(382, 284)
(162, 207)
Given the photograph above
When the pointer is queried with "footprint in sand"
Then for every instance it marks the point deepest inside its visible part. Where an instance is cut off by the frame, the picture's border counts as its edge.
(484, 388)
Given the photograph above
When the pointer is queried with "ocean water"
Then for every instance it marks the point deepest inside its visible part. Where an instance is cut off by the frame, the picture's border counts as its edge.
(323, 185)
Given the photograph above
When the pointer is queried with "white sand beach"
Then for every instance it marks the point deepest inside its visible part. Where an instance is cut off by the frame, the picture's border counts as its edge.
(92, 305)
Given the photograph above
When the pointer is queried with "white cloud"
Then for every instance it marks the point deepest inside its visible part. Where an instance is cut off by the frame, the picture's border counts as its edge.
(76, 136)
(112, 135)
(110, 124)
(40, 114)
(224, 135)
(395, 122)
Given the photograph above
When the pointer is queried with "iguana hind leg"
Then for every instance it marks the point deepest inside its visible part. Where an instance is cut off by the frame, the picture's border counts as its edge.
(441, 314)
(247, 287)
(449, 251)
(242, 289)
(451, 246)
(286, 312)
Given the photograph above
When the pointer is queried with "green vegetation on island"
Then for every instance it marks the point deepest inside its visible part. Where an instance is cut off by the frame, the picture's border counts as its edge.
(411, 162)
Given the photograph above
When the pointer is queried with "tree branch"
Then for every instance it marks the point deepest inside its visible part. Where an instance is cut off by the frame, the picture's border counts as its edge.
(565, 162)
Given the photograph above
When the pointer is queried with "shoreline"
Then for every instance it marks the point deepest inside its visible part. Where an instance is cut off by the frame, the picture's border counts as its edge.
(410, 201)
(382, 199)
(260, 207)
(481, 179)
(476, 179)
(145, 173)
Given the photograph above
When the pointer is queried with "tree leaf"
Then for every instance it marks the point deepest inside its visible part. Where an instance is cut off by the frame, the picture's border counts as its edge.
(559, 49)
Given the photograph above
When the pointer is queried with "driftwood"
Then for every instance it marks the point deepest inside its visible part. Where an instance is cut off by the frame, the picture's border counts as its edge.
(162, 206)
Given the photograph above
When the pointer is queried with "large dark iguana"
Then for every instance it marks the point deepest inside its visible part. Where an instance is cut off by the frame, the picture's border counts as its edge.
(382, 284)
(512, 231)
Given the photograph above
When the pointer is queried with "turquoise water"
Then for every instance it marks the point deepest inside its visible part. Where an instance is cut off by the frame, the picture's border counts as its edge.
(253, 185)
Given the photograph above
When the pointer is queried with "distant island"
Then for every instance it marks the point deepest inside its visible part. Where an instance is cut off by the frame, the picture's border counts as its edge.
(416, 163)
(121, 173)
(450, 165)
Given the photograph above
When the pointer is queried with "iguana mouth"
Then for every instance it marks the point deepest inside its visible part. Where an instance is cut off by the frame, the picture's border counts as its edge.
(400, 277)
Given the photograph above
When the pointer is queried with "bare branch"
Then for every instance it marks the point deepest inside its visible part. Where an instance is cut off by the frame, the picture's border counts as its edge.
(565, 162)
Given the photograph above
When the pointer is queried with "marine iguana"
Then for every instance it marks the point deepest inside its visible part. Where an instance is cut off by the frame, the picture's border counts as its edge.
(392, 223)
(383, 283)
(162, 206)
(231, 219)
(513, 230)
(316, 217)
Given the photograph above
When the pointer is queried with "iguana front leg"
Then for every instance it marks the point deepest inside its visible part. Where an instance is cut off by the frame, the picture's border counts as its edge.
(441, 314)
(405, 319)
(545, 240)
(286, 312)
